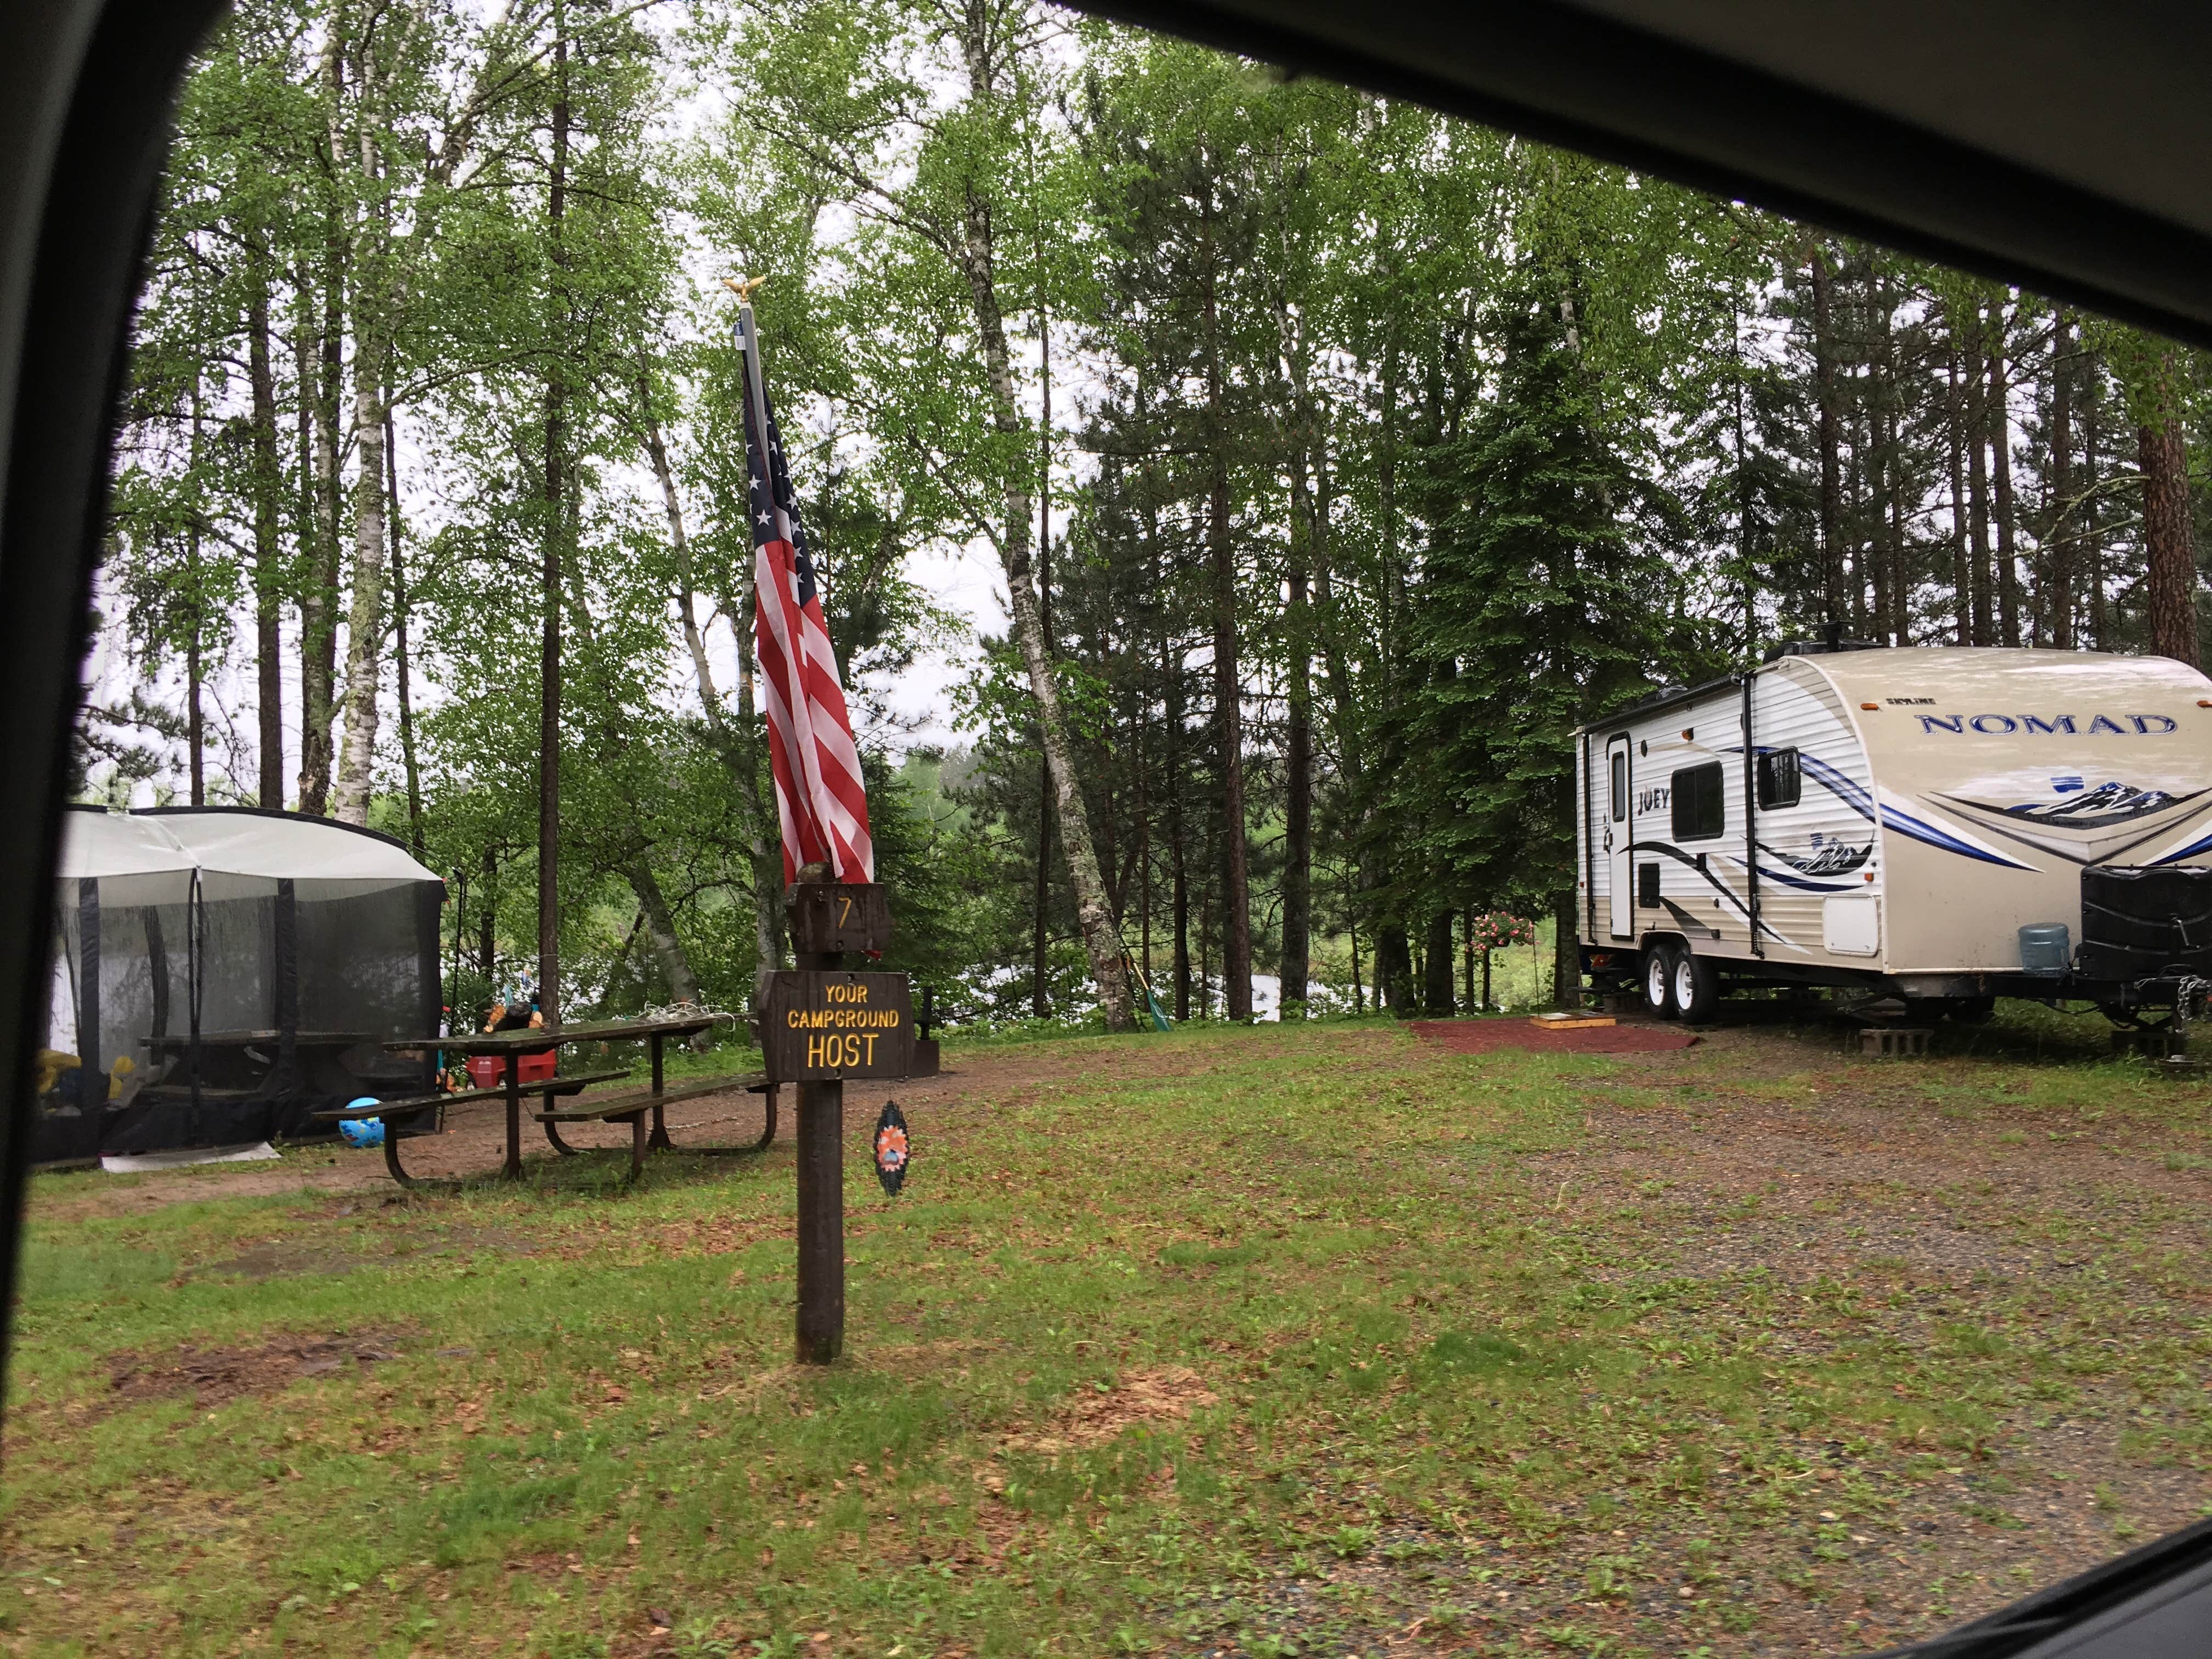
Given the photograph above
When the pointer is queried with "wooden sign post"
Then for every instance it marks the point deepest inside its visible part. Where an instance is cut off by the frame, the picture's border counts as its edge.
(820, 1025)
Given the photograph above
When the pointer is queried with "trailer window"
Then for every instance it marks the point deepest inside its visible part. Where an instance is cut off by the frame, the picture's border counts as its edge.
(1700, 808)
(1779, 778)
(1620, 785)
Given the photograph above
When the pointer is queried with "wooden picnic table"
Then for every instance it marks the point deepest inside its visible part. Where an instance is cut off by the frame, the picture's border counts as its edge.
(635, 1108)
(231, 1066)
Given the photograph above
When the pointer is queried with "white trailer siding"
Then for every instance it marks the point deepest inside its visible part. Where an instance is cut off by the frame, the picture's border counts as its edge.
(2002, 773)
(1821, 849)
(1946, 798)
(1822, 852)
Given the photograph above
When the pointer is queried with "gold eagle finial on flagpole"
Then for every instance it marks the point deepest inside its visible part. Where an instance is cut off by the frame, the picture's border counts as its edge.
(743, 287)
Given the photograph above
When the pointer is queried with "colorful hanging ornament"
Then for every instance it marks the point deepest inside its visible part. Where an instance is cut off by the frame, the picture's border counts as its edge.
(893, 1152)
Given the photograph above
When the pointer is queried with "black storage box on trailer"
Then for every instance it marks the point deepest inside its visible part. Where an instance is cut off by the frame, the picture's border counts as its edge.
(2145, 922)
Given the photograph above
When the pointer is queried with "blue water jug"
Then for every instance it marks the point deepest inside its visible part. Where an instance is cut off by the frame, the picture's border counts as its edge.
(2046, 947)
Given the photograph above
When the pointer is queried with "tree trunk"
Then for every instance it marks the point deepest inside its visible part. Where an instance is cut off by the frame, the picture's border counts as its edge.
(2170, 571)
(195, 614)
(976, 258)
(1566, 953)
(1229, 727)
(319, 642)
(1178, 864)
(1041, 900)
(318, 598)
(2058, 608)
(487, 923)
(552, 567)
(1295, 967)
(365, 616)
(1897, 621)
(2000, 427)
(1358, 996)
(1977, 510)
(1899, 628)
(1228, 680)
(1437, 967)
(1144, 848)
(1962, 578)
(660, 930)
(2091, 534)
(195, 724)
(1041, 905)
(409, 761)
(1856, 607)
(268, 543)
(1744, 570)
(1394, 969)
(1824, 375)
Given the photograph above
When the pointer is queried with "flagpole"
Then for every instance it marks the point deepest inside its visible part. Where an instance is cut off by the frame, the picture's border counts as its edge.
(820, 1130)
(748, 347)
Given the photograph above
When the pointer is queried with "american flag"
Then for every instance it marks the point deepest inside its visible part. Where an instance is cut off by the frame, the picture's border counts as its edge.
(819, 797)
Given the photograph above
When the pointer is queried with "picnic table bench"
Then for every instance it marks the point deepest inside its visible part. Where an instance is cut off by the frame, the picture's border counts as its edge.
(642, 1110)
(424, 1114)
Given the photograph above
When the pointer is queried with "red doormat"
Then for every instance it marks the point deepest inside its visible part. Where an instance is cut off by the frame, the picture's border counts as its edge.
(1480, 1036)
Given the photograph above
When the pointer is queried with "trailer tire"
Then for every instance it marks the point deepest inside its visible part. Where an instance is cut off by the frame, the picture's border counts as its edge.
(1696, 986)
(1659, 980)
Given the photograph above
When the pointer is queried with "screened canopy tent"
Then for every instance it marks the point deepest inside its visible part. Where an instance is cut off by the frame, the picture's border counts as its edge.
(219, 973)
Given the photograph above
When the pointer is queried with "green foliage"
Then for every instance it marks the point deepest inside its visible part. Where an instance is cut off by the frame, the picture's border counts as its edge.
(1455, 440)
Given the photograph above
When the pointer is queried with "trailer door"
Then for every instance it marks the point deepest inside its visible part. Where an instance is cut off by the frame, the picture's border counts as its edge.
(1619, 876)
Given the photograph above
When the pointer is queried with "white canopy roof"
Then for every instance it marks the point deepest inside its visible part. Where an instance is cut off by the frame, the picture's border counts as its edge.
(149, 857)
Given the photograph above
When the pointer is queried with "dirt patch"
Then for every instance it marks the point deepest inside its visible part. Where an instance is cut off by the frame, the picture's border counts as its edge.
(474, 1141)
(213, 1377)
(281, 1262)
(1483, 1037)
(1170, 1395)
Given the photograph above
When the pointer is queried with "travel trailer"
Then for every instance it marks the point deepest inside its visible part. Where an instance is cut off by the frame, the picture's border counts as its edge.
(1945, 825)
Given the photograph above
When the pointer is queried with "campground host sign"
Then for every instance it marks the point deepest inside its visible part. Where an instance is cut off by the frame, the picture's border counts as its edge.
(820, 1025)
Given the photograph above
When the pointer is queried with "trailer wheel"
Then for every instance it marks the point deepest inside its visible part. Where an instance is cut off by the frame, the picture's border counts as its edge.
(1659, 980)
(1696, 986)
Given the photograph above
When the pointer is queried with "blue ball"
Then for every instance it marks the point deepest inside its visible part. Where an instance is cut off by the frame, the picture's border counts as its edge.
(362, 1131)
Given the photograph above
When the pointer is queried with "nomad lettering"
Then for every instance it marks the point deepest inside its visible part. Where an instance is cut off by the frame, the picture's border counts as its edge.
(2071, 725)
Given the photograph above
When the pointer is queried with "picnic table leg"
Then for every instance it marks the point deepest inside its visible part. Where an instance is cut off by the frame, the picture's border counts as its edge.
(768, 1131)
(637, 1145)
(511, 1169)
(391, 1158)
(553, 1135)
(658, 1141)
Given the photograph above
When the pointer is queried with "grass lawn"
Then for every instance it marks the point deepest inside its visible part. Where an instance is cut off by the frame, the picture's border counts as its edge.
(1273, 1341)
